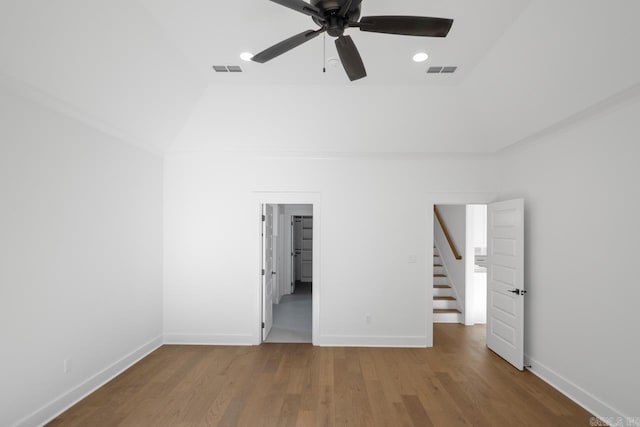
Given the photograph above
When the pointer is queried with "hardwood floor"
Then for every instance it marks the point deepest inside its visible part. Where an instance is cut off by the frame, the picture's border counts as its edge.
(458, 382)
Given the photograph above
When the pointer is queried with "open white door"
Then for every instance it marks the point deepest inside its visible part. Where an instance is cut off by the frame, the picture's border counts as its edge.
(505, 280)
(267, 270)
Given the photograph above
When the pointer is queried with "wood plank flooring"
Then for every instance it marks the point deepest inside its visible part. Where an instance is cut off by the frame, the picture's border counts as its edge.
(459, 382)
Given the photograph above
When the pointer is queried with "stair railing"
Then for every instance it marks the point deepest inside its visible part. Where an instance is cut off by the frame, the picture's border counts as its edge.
(452, 245)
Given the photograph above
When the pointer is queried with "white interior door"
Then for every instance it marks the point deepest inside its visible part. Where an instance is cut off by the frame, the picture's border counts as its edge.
(505, 280)
(268, 273)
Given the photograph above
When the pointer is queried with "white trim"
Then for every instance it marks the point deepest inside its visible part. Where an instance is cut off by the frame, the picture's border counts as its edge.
(469, 263)
(574, 392)
(373, 341)
(617, 100)
(445, 198)
(289, 198)
(208, 339)
(31, 93)
(66, 400)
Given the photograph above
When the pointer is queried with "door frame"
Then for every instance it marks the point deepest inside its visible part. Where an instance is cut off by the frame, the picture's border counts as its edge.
(433, 199)
(267, 273)
(289, 198)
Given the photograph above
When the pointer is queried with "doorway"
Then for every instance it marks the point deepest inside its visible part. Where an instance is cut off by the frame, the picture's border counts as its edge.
(459, 264)
(288, 261)
(504, 270)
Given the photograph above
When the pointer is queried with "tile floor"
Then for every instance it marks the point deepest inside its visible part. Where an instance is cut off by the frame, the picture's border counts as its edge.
(292, 317)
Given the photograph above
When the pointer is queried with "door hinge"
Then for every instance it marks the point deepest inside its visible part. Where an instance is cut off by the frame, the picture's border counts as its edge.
(262, 325)
(263, 271)
(264, 218)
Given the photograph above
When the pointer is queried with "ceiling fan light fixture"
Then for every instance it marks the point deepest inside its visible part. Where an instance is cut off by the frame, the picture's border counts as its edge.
(246, 56)
(420, 57)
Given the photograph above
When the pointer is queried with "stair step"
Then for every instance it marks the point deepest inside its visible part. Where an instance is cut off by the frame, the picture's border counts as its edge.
(439, 275)
(446, 310)
(442, 292)
(441, 286)
(444, 298)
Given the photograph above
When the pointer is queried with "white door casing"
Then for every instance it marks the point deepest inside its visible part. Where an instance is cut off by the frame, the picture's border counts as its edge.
(505, 280)
(304, 203)
(268, 276)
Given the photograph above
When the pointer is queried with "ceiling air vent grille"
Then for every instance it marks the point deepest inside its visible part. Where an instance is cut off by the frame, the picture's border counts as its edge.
(442, 70)
(227, 69)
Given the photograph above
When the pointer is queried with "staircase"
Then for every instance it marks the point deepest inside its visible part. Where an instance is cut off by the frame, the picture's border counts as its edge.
(446, 308)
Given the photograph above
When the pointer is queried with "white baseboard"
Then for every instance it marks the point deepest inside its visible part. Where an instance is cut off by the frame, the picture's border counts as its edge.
(372, 341)
(208, 339)
(579, 395)
(60, 404)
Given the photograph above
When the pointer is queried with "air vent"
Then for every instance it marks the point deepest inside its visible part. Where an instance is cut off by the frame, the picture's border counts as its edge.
(227, 69)
(442, 70)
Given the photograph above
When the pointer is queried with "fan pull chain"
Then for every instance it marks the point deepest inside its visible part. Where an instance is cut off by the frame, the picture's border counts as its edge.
(324, 53)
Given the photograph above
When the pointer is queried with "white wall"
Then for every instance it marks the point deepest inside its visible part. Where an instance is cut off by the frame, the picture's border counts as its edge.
(454, 217)
(80, 258)
(476, 283)
(477, 225)
(582, 198)
(374, 218)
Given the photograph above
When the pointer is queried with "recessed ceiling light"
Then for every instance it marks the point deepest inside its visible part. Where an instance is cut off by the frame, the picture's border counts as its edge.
(246, 56)
(420, 57)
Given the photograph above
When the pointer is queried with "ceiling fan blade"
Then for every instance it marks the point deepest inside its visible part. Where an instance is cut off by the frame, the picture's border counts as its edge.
(350, 57)
(286, 45)
(345, 8)
(406, 25)
(302, 7)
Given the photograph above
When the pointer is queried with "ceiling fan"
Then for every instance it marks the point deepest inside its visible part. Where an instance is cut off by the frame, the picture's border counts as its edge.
(334, 16)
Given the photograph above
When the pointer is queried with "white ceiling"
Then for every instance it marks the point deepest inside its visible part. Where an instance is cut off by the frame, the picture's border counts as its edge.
(108, 61)
(143, 68)
(215, 33)
(558, 59)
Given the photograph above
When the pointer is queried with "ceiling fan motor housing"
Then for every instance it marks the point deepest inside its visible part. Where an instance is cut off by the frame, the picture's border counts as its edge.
(334, 23)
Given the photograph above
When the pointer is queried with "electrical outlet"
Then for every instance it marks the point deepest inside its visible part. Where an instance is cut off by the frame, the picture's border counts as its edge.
(412, 259)
(367, 318)
(66, 366)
